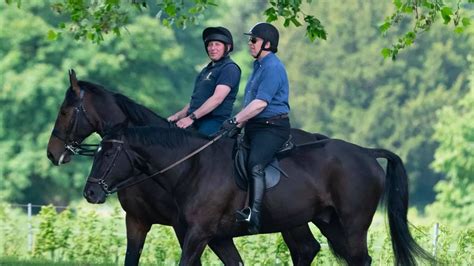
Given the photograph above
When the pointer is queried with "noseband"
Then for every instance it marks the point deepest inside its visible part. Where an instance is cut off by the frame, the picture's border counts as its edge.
(69, 143)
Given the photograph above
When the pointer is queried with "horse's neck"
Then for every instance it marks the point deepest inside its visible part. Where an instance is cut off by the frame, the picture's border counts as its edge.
(160, 121)
(184, 169)
(109, 118)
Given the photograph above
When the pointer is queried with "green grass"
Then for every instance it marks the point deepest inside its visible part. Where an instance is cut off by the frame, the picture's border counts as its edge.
(6, 261)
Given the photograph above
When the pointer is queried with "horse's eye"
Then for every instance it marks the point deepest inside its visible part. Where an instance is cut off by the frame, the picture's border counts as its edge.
(63, 113)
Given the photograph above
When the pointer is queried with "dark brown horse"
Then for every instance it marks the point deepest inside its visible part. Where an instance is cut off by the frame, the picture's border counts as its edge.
(334, 184)
(88, 108)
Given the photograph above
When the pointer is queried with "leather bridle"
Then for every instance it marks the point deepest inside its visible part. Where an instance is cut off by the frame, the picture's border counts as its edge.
(70, 143)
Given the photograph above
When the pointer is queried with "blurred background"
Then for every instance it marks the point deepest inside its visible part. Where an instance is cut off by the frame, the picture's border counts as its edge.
(420, 106)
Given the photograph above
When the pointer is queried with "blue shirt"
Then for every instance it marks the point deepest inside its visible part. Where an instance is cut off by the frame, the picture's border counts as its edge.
(222, 72)
(269, 83)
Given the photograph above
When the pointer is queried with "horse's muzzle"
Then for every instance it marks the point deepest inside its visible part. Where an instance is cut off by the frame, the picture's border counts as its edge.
(94, 193)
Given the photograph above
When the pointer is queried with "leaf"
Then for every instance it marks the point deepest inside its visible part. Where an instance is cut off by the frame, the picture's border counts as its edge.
(271, 14)
(397, 3)
(384, 27)
(466, 21)
(407, 9)
(386, 52)
(170, 10)
(459, 30)
(410, 38)
(212, 3)
(446, 13)
(295, 22)
(52, 35)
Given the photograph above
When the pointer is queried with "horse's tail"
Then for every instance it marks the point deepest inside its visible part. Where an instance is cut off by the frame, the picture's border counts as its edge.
(395, 199)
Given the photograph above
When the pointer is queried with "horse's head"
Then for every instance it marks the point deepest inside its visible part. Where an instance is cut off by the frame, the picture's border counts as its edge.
(75, 121)
(113, 166)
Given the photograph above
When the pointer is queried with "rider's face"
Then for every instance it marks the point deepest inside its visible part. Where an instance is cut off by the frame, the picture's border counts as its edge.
(255, 44)
(215, 50)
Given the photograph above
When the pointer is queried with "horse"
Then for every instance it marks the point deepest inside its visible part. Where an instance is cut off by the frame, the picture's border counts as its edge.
(89, 108)
(334, 184)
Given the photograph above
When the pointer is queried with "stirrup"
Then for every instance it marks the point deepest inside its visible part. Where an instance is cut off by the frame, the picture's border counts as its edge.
(243, 215)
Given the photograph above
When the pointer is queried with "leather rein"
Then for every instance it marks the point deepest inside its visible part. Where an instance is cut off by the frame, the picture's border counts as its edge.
(130, 181)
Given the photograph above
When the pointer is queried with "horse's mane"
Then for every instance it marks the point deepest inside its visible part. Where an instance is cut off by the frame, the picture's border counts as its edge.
(167, 138)
(136, 113)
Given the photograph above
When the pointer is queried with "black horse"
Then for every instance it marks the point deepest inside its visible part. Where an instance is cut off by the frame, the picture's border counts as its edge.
(88, 108)
(334, 184)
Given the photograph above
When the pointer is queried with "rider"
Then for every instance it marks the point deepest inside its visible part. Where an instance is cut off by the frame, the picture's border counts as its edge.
(265, 115)
(215, 88)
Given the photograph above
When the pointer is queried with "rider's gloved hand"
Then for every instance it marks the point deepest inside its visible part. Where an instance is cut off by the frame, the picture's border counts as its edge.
(230, 125)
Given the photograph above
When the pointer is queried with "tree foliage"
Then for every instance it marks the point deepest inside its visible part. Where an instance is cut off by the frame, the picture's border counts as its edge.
(92, 19)
(344, 89)
(34, 80)
(423, 14)
(455, 157)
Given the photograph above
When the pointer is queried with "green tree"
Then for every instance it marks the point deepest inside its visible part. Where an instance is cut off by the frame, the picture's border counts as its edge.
(142, 65)
(455, 158)
(93, 19)
(346, 90)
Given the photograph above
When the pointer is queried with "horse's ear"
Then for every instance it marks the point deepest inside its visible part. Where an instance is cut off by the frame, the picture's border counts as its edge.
(73, 81)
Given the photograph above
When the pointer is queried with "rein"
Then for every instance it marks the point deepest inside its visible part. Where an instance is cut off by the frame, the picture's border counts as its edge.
(129, 181)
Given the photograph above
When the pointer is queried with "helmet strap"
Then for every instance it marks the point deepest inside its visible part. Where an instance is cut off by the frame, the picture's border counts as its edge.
(262, 48)
(227, 48)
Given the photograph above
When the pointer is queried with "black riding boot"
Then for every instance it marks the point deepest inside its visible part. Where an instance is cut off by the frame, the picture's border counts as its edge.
(251, 214)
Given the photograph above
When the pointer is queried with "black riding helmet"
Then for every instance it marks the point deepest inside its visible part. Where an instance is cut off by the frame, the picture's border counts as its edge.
(220, 34)
(268, 33)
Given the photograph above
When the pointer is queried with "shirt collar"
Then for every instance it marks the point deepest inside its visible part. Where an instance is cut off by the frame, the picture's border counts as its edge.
(220, 61)
(265, 59)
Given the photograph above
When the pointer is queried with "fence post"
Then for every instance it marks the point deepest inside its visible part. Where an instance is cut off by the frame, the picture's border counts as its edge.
(435, 238)
(30, 229)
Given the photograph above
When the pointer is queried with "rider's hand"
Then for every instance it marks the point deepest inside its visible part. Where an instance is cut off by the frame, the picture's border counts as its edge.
(173, 118)
(231, 126)
(184, 122)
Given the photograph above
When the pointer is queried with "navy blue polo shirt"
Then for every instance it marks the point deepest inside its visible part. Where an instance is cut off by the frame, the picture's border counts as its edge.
(222, 72)
(269, 82)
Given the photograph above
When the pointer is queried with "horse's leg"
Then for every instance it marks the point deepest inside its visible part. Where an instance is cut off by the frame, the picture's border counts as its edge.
(194, 243)
(136, 234)
(334, 233)
(358, 252)
(223, 248)
(348, 242)
(226, 251)
(302, 245)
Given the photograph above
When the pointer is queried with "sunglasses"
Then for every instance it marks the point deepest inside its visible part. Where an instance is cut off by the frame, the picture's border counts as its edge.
(253, 40)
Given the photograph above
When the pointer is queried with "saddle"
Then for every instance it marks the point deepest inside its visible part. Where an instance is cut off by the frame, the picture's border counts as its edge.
(272, 171)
